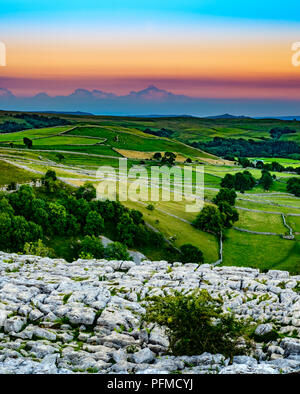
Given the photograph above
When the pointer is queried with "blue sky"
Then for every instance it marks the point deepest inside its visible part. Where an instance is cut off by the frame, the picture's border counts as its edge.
(255, 9)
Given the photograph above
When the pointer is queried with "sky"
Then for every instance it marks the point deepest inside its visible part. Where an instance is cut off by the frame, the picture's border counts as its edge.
(214, 49)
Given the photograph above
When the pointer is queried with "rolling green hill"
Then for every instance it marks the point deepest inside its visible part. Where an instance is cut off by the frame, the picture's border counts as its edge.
(77, 149)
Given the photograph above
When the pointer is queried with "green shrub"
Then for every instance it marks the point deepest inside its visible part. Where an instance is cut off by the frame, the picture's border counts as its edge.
(191, 254)
(38, 249)
(268, 337)
(209, 219)
(90, 247)
(196, 324)
(116, 251)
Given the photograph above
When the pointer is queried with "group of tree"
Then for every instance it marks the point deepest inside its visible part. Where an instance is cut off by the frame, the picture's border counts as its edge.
(275, 166)
(266, 180)
(168, 158)
(293, 186)
(240, 147)
(92, 247)
(277, 132)
(160, 133)
(30, 121)
(57, 211)
(241, 181)
(10, 127)
(222, 215)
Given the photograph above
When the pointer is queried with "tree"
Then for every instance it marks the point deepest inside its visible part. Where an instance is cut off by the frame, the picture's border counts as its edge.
(50, 174)
(50, 181)
(259, 164)
(57, 218)
(40, 213)
(91, 245)
(169, 158)
(136, 216)
(79, 208)
(228, 181)
(87, 192)
(244, 162)
(126, 230)
(277, 167)
(6, 207)
(22, 200)
(266, 180)
(116, 251)
(227, 195)
(94, 224)
(12, 186)
(209, 220)
(240, 181)
(229, 215)
(196, 323)
(27, 142)
(72, 226)
(157, 156)
(293, 186)
(5, 231)
(191, 254)
(23, 231)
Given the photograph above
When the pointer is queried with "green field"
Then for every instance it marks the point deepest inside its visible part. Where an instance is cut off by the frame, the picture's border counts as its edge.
(9, 173)
(261, 222)
(261, 251)
(32, 134)
(132, 140)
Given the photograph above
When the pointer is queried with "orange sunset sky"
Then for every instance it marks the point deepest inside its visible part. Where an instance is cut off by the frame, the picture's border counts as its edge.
(200, 52)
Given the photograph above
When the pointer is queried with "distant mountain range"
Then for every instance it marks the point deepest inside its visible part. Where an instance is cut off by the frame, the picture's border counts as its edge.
(150, 100)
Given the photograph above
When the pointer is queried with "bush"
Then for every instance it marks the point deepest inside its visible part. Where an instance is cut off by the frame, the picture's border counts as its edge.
(191, 254)
(94, 224)
(116, 251)
(91, 246)
(38, 249)
(293, 186)
(268, 337)
(87, 191)
(196, 324)
(209, 219)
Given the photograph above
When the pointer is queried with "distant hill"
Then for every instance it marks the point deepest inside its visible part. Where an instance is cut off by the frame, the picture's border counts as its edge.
(68, 113)
(281, 117)
(227, 116)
